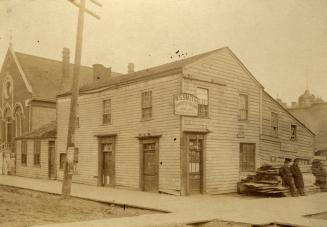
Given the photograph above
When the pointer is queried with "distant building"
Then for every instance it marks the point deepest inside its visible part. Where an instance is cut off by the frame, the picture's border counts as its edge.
(312, 111)
(187, 127)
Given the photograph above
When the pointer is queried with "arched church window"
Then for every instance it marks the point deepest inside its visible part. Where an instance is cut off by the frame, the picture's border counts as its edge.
(18, 121)
(8, 125)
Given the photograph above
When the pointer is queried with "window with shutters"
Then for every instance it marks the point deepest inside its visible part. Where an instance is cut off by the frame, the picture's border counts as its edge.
(37, 152)
(243, 102)
(247, 157)
(203, 106)
(106, 116)
(147, 105)
(293, 132)
(274, 124)
(62, 159)
(24, 152)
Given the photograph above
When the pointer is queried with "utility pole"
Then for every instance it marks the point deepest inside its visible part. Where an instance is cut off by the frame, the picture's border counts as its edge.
(68, 168)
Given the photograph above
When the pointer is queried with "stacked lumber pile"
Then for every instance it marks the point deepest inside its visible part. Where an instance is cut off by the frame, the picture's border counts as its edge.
(266, 182)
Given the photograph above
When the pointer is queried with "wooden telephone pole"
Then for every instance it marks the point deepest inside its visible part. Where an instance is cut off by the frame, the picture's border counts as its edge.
(68, 168)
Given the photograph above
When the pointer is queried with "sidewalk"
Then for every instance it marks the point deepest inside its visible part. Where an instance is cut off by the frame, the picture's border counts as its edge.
(189, 209)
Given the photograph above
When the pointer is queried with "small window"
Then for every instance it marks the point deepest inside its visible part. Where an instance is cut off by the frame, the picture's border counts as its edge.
(37, 152)
(106, 115)
(293, 132)
(147, 105)
(274, 124)
(24, 152)
(203, 105)
(243, 115)
(62, 160)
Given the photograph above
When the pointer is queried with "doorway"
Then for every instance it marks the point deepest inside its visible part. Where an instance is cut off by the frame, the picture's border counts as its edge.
(106, 161)
(194, 151)
(150, 165)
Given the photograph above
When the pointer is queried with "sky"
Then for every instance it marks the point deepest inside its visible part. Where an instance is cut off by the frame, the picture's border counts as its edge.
(282, 42)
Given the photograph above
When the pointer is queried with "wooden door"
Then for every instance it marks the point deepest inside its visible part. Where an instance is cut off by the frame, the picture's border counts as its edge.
(107, 164)
(150, 165)
(52, 166)
(107, 161)
(195, 163)
(247, 157)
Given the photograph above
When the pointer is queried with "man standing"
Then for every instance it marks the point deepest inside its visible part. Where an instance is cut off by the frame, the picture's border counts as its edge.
(298, 177)
(287, 177)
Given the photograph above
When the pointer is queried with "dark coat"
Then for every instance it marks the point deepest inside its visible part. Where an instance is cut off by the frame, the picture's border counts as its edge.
(297, 175)
(286, 175)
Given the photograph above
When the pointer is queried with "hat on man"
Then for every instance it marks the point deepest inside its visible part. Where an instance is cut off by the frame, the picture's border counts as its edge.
(287, 160)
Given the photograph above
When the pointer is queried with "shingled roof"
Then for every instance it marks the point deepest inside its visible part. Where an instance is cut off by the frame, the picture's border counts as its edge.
(44, 76)
(46, 131)
(147, 73)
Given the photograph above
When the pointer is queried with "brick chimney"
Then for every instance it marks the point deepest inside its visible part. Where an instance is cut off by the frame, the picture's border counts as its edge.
(100, 72)
(130, 67)
(65, 79)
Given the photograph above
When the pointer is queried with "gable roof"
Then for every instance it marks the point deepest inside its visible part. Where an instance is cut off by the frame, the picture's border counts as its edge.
(155, 72)
(46, 131)
(149, 73)
(43, 76)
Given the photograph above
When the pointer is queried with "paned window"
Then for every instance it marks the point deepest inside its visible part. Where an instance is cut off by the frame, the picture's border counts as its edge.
(62, 160)
(24, 152)
(293, 132)
(243, 107)
(203, 106)
(106, 117)
(274, 124)
(37, 152)
(147, 105)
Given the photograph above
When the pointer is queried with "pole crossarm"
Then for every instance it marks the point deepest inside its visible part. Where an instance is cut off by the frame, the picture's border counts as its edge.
(86, 10)
(96, 3)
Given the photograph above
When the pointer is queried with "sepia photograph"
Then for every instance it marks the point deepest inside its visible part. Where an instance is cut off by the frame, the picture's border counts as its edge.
(163, 113)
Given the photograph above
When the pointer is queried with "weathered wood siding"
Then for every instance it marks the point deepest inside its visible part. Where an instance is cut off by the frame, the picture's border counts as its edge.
(222, 143)
(282, 146)
(30, 170)
(126, 123)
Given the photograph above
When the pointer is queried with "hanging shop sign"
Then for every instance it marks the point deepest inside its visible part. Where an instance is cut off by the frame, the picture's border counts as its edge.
(186, 104)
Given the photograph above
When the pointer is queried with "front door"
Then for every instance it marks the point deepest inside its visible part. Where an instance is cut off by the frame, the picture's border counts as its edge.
(195, 161)
(150, 165)
(52, 166)
(107, 161)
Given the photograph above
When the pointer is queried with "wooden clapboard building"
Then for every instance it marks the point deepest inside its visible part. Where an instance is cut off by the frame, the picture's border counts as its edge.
(190, 126)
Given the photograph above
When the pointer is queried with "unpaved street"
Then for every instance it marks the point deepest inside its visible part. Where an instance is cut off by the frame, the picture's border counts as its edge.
(20, 207)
